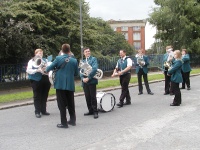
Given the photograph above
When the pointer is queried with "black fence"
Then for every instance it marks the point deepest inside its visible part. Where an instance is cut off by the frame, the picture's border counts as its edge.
(17, 72)
(13, 72)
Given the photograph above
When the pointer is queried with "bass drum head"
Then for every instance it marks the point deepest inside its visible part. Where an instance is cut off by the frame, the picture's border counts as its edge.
(52, 77)
(107, 102)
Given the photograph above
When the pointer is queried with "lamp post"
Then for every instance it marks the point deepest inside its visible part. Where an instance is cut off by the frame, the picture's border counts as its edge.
(81, 28)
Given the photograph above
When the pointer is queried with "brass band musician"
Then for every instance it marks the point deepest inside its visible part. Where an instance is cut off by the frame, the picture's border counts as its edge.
(167, 62)
(123, 70)
(141, 69)
(40, 85)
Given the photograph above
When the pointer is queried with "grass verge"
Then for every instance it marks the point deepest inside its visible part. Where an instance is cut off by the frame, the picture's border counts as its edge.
(102, 84)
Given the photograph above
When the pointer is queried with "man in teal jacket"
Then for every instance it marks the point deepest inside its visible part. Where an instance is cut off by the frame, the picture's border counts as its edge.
(185, 69)
(176, 78)
(142, 62)
(64, 84)
(89, 84)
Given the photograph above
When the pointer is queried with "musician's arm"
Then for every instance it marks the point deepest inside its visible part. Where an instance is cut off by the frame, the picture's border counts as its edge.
(94, 66)
(126, 69)
(30, 69)
(52, 66)
(174, 68)
(186, 58)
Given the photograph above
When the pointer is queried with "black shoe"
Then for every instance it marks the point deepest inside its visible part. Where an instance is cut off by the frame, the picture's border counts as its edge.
(150, 93)
(172, 104)
(46, 113)
(96, 115)
(37, 115)
(127, 103)
(140, 93)
(120, 104)
(71, 123)
(62, 126)
(166, 93)
(188, 88)
(88, 113)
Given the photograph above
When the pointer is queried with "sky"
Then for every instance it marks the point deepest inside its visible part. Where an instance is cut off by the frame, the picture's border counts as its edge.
(125, 10)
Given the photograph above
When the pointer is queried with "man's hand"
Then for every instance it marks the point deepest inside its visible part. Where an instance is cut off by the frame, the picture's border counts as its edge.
(120, 73)
(85, 80)
(39, 70)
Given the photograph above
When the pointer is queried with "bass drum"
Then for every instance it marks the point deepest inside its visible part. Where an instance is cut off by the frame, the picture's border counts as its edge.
(105, 101)
(52, 76)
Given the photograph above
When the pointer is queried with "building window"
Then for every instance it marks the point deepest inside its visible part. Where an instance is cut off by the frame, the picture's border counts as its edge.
(124, 28)
(137, 45)
(136, 28)
(136, 36)
(125, 35)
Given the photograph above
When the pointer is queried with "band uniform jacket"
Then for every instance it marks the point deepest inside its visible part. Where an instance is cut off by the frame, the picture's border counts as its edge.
(175, 72)
(92, 61)
(64, 77)
(144, 68)
(165, 56)
(32, 71)
(186, 63)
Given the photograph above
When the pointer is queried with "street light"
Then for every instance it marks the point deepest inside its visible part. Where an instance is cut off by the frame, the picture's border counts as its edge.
(81, 28)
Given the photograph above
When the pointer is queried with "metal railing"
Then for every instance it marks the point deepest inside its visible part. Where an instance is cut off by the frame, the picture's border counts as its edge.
(13, 72)
(17, 72)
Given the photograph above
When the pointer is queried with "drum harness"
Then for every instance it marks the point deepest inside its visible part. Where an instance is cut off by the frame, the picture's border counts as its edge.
(61, 66)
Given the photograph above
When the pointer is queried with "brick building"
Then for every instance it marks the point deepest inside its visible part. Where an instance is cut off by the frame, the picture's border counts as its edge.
(133, 31)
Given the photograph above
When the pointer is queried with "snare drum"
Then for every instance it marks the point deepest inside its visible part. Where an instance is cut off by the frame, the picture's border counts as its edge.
(105, 101)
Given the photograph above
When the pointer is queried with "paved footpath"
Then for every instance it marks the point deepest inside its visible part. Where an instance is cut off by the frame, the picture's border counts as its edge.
(148, 124)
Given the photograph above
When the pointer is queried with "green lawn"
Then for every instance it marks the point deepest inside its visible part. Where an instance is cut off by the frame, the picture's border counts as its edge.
(102, 84)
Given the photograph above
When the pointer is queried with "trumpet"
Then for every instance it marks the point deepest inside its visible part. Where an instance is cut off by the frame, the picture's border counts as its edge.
(86, 69)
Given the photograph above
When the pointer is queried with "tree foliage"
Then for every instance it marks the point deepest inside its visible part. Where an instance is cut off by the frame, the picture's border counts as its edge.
(177, 23)
(29, 24)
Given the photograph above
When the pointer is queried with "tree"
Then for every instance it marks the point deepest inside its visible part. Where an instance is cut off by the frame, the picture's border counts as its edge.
(177, 23)
(29, 24)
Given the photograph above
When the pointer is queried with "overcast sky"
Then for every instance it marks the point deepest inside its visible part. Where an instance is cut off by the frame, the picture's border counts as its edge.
(124, 10)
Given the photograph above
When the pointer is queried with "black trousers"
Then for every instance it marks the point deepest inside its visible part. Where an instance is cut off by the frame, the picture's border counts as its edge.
(139, 75)
(90, 96)
(40, 93)
(167, 83)
(65, 100)
(186, 79)
(177, 93)
(124, 82)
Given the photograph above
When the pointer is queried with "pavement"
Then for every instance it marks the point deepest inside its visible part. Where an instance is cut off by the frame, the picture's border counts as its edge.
(149, 123)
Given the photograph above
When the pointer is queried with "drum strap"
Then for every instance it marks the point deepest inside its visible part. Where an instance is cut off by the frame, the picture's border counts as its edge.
(63, 64)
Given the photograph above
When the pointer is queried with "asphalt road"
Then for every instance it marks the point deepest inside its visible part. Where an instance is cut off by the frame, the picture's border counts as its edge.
(148, 124)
